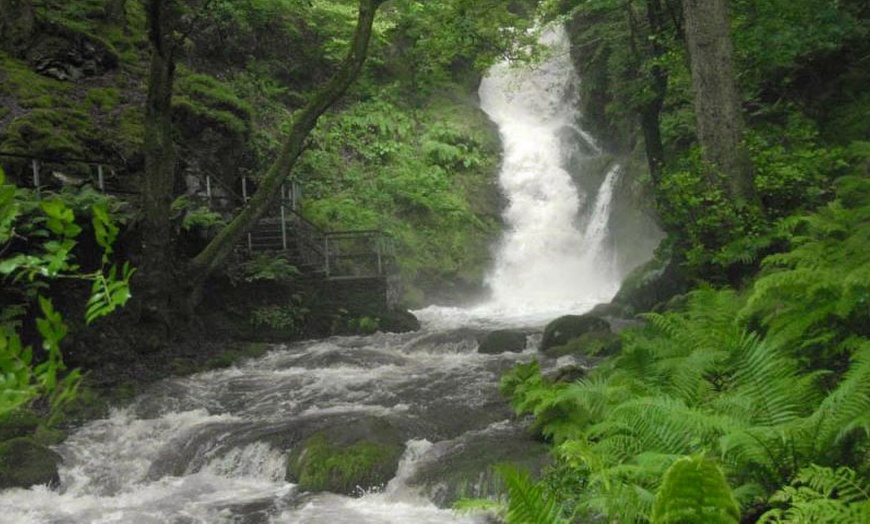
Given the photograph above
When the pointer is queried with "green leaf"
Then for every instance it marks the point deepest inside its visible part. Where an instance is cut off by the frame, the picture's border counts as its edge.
(694, 491)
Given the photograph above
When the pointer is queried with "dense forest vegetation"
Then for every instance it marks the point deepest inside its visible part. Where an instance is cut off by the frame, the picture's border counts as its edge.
(745, 394)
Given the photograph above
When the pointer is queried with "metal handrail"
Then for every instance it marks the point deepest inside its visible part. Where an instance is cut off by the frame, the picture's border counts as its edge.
(61, 159)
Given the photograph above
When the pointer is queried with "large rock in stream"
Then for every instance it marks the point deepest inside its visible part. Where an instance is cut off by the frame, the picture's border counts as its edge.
(502, 341)
(24, 463)
(585, 334)
(349, 460)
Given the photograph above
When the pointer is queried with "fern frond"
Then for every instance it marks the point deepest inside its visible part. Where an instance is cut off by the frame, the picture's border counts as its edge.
(694, 491)
(821, 495)
(776, 393)
(849, 402)
(528, 503)
(665, 424)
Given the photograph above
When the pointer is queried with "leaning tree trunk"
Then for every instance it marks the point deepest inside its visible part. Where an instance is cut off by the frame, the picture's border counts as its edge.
(156, 274)
(216, 252)
(717, 103)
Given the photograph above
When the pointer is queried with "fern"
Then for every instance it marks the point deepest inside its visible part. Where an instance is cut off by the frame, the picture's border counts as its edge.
(845, 408)
(810, 296)
(822, 495)
(694, 490)
(528, 502)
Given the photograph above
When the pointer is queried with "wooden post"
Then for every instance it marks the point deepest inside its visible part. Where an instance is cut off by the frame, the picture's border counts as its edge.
(244, 189)
(101, 183)
(283, 221)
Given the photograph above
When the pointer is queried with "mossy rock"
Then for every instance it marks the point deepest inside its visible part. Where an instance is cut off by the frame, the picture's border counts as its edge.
(321, 465)
(48, 132)
(502, 341)
(24, 463)
(593, 344)
(651, 284)
(564, 329)
(19, 423)
(398, 321)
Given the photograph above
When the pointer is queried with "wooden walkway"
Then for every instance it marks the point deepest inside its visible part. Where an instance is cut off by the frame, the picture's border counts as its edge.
(330, 255)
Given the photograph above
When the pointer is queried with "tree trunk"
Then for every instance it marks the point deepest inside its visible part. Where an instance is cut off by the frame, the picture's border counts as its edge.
(717, 103)
(650, 113)
(216, 252)
(156, 272)
(17, 25)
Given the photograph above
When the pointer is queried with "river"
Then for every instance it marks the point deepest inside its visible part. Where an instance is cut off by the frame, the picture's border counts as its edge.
(213, 448)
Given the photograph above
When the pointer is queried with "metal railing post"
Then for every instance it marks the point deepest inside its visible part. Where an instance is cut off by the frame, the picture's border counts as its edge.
(326, 254)
(283, 221)
(35, 164)
(208, 189)
(378, 249)
(101, 183)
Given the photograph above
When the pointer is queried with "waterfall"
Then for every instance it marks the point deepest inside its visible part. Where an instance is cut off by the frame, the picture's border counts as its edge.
(555, 256)
(544, 257)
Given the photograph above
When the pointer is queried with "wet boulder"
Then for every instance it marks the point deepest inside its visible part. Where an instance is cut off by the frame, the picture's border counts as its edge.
(24, 463)
(398, 321)
(350, 459)
(651, 284)
(564, 329)
(502, 341)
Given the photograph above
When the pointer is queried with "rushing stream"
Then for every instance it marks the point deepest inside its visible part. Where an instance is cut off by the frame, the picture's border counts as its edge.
(214, 447)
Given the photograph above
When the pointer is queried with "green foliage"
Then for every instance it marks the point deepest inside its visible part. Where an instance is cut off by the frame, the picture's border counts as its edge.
(528, 502)
(267, 266)
(696, 381)
(290, 317)
(104, 98)
(822, 495)
(694, 491)
(195, 214)
(377, 165)
(773, 36)
(793, 173)
(812, 297)
(365, 324)
(37, 238)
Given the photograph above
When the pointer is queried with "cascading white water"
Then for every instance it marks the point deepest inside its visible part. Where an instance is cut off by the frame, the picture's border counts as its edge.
(544, 259)
(547, 264)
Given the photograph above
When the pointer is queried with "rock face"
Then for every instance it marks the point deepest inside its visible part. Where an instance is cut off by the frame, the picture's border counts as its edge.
(651, 284)
(24, 463)
(349, 460)
(502, 341)
(64, 54)
(562, 330)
